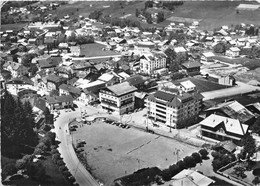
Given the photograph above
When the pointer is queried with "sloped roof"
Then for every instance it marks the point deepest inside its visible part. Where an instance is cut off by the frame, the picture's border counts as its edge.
(135, 80)
(187, 84)
(189, 177)
(106, 77)
(231, 125)
(122, 88)
(191, 64)
(234, 110)
(70, 89)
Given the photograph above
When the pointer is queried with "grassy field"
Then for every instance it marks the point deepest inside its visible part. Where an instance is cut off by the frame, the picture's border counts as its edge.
(251, 64)
(95, 49)
(113, 152)
(15, 27)
(214, 14)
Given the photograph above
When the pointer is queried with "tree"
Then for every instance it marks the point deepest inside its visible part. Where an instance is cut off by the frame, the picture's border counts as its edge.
(42, 146)
(62, 168)
(55, 157)
(197, 158)
(148, 4)
(160, 17)
(219, 48)
(189, 162)
(240, 171)
(20, 164)
(204, 153)
(256, 180)
(137, 12)
(36, 171)
(249, 145)
(95, 14)
(60, 163)
(256, 126)
(181, 164)
(174, 169)
(171, 56)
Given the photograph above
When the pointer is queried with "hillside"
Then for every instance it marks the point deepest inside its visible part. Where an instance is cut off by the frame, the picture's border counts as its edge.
(217, 13)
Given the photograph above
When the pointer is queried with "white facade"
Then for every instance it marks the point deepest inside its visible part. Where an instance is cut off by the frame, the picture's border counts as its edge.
(150, 62)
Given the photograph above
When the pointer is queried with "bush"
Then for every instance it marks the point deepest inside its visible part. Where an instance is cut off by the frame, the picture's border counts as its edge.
(60, 162)
(55, 158)
(20, 164)
(8, 169)
(38, 151)
(54, 151)
(42, 146)
(36, 171)
(54, 147)
(66, 173)
(204, 153)
(71, 179)
(63, 168)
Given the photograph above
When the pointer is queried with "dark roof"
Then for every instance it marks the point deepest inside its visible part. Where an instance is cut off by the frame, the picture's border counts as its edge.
(38, 102)
(121, 88)
(71, 89)
(135, 80)
(173, 99)
(164, 96)
(55, 79)
(59, 99)
(191, 64)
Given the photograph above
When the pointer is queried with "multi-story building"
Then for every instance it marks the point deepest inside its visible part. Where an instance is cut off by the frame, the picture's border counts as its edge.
(151, 61)
(118, 98)
(173, 106)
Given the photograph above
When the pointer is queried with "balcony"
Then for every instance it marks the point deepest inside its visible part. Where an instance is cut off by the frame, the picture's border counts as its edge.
(108, 103)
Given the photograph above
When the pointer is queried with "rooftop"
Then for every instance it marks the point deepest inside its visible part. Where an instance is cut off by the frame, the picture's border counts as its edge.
(189, 177)
(122, 88)
(230, 125)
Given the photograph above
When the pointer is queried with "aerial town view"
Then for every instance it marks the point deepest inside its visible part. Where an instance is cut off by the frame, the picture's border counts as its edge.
(130, 93)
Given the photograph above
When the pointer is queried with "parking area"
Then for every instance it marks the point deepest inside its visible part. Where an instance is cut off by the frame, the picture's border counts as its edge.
(113, 150)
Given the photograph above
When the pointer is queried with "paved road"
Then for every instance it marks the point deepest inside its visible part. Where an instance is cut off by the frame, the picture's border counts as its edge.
(241, 88)
(82, 176)
(97, 57)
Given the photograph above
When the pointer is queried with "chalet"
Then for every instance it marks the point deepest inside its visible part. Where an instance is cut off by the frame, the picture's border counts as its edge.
(222, 128)
(207, 56)
(65, 89)
(136, 81)
(59, 102)
(109, 78)
(54, 81)
(192, 68)
(65, 72)
(189, 177)
(234, 110)
(91, 91)
(233, 52)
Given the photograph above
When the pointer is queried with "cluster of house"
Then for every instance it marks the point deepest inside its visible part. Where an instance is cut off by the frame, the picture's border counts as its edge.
(62, 78)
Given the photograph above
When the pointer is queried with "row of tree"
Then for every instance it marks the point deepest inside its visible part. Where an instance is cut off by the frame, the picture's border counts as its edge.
(187, 162)
(17, 125)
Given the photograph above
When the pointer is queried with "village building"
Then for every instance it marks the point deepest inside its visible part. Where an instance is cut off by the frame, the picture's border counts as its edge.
(222, 128)
(118, 98)
(171, 106)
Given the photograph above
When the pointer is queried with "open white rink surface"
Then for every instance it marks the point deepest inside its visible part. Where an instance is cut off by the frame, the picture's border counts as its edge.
(113, 152)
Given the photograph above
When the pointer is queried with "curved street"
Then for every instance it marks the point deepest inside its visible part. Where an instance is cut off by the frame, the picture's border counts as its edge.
(82, 176)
